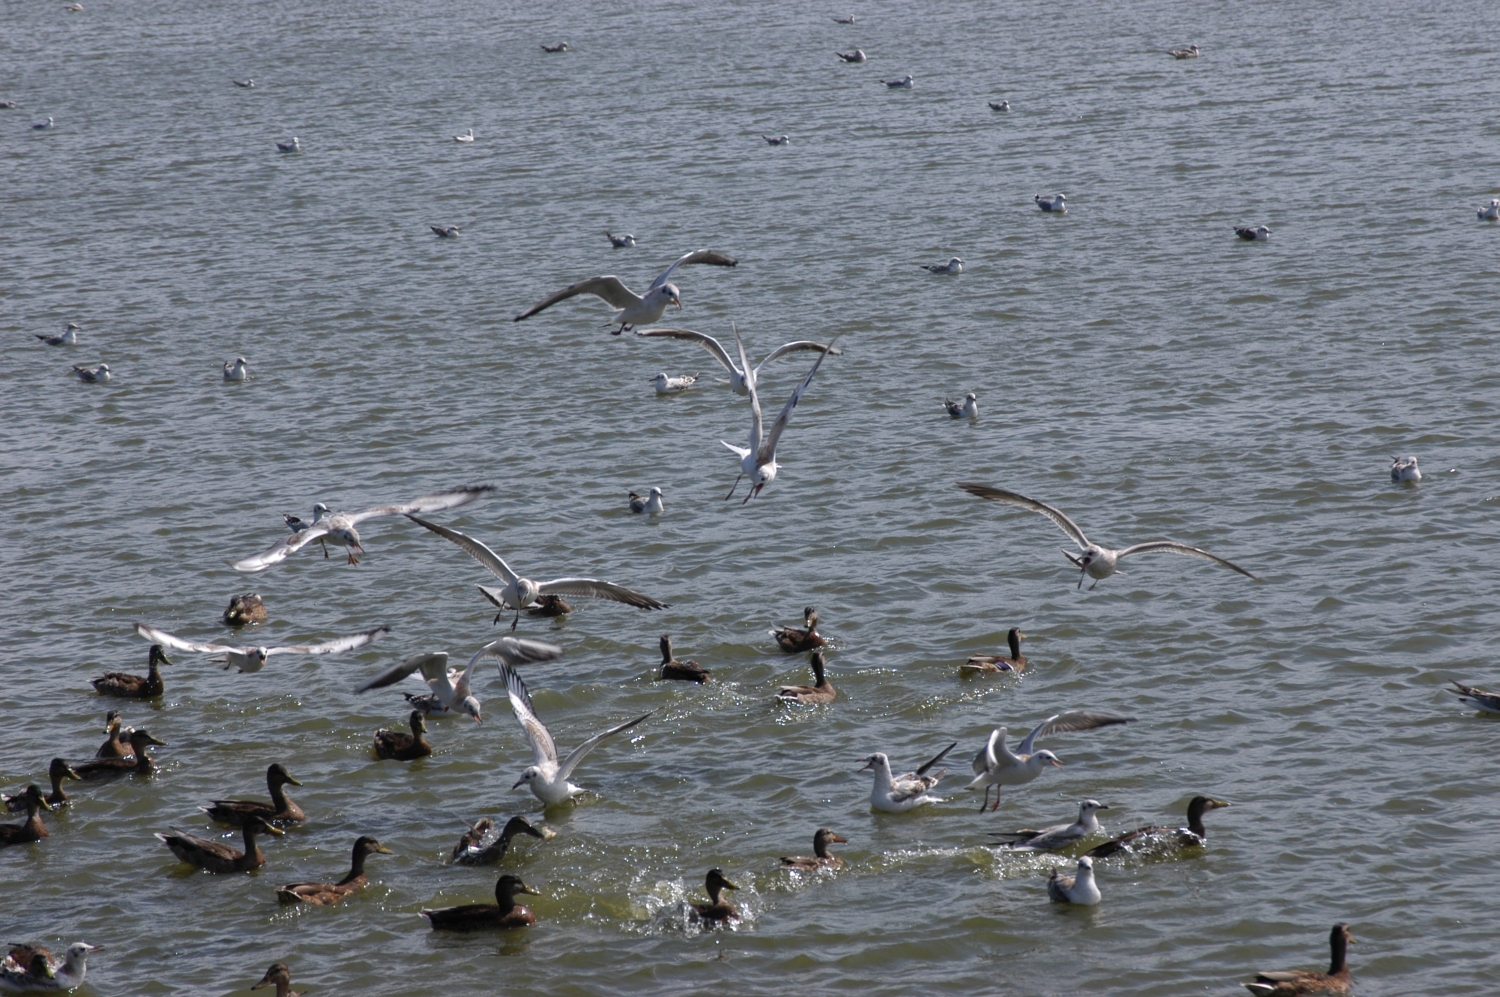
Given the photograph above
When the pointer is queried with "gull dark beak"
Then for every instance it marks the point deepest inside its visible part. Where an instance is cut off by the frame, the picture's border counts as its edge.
(519, 783)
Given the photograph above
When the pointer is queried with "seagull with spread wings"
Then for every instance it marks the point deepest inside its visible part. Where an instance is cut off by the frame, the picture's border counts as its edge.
(759, 460)
(996, 766)
(251, 659)
(452, 689)
(633, 309)
(738, 379)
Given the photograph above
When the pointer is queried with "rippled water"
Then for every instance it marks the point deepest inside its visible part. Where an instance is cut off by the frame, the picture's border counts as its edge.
(1135, 364)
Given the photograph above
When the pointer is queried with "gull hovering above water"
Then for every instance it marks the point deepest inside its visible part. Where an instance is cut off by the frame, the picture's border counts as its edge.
(338, 528)
(759, 459)
(519, 592)
(737, 379)
(547, 777)
(996, 766)
(898, 793)
(452, 691)
(68, 337)
(251, 659)
(1097, 562)
(633, 309)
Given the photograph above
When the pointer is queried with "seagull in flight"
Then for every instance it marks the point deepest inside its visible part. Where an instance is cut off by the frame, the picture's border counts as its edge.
(338, 528)
(1097, 562)
(452, 691)
(633, 309)
(547, 777)
(519, 592)
(250, 659)
(759, 459)
(737, 378)
(996, 766)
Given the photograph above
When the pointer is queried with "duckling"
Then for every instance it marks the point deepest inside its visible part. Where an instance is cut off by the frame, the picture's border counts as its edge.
(1080, 889)
(549, 605)
(127, 686)
(794, 641)
(57, 772)
(118, 744)
(718, 910)
(468, 851)
(215, 856)
(246, 609)
(31, 967)
(681, 671)
(990, 664)
(503, 913)
(280, 976)
(822, 692)
(1338, 979)
(139, 763)
(329, 894)
(404, 747)
(281, 809)
(819, 859)
(33, 829)
(1155, 837)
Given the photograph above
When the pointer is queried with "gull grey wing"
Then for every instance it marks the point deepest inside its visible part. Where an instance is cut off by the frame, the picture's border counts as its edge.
(474, 548)
(709, 343)
(335, 646)
(1012, 498)
(767, 451)
(284, 549)
(797, 347)
(430, 664)
(593, 588)
(608, 287)
(1069, 721)
(936, 758)
(757, 426)
(708, 256)
(911, 788)
(1172, 547)
(518, 651)
(436, 502)
(576, 755)
(543, 750)
(988, 757)
(156, 636)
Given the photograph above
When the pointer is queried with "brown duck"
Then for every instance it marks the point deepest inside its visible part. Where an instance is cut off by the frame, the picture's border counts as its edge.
(1337, 980)
(139, 763)
(118, 743)
(404, 747)
(127, 686)
(215, 856)
(546, 605)
(281, 809)
(822, 692)
(503, 913)
(244, 610)
(1155, 837)
(718, 910)
(328, 894)
(679, 671)
(794, 641)
(990, 664)
(279, 976)
(819, 859)
(57, 771)
(470, 849)
(33, 829)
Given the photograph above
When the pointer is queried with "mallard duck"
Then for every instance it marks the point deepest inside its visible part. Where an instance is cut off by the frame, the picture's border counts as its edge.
(117, 745)
(470, 849)
(503, 913)
(328, 894)
(1155, 837)
(821, 692)
(1481, 699)
(281, 809)
(718, 910)
(33, 829)
(31, 967)
(279, 976)
(550, 605)
(245, 609)
(215, 856)
(794, 641)
(989, 664)
(140, 763)
(1080, 889)
(679, 671)
(404, 747)
(1337, 980)
(57, 772)
(127, 686)
(819, 859)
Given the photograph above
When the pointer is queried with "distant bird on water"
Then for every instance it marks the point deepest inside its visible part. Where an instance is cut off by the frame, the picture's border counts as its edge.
(674, 385)
(444, 231)
(633, 309)
(42, 126)
(68, 337)
(777, 139)
(954, 265)
(1491, 212)
(295, 145)
(1483, 699)
(467, 136)
(559, 47)
(1003, 105)
(1191, 52)
(1257, 234)
(1405, 469)
(236, 371)
(900, 793)
(626, 241)
(94, 375)
(1080, 889)
(1290, 983)
(651, 503)
(858, 55)
(245, 84)
(844, 20)
(966, 409)
(1056, 205)
(904, 83)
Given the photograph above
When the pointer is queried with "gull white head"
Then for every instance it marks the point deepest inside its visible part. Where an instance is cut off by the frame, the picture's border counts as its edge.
(1045, 757)
(470, 705)
(1491, 212)
(879, 762)
(1405, 469)
(236, 371)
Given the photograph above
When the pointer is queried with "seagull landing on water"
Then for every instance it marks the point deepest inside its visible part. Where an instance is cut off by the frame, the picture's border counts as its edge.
(1097, 562)
(244, 84)
(674, 385)
(68, 337)
(1258, 234)
(777, 139)
(1056, 205)
(858, 55)
(1405, 469)
(295, 145)
(651, 504)
(444, 231)
(250, 659)
(633, 309)
(967, 409)
(92, 375)
(1490, 212)
(954, 265)
(626, 241)
(996, 766)
(467, 136)
(904, 83)
(737, 378)
(898, 793)
(759, 460)
(1191, 52)
(452, 689)
(237, 371)
(1002, 105)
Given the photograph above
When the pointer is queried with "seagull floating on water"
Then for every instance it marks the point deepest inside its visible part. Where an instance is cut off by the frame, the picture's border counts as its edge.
(1080, 889)
(759, 459)
(8, 105)
(674, 385)
(897, 794)
(1097, 562)
(251, 659)
(1056, 205)
(236, 371)
(737, 379)
(966, 409)
(1258, 234)
(444, 231)
(1479, 698)
(777, 139)
(245, 84)
(858, 55)
(1003, 105)
(1405, 469)
(295, 145)
(996, 766)
(904, 83)
(452, 690)
(844, 20)
(68, 337)
(1191, 52)
(633, 309)
(954, 265)
(650, 504)
(559, 47)
(42, 126)
(92, 375)
(31, 967)
(1491, 212)
(467, 136)
(626, 241)
(1057, 837)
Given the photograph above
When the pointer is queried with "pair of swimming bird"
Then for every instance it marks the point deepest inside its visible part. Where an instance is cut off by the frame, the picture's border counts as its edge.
(1148, 840)
(33, 968)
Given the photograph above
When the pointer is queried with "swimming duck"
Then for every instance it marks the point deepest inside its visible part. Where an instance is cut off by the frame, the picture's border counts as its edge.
(118, 743)
(215, 856)
(821, 692)
(899, 793)
(819, 859)
(469, 850)
(1485, 700)
(57, 772)
(794, 641)
(328, 894)
(1057, 837)
(404, 747)
(549, 605)
(680, 671)
(33, 829)
(503, 913)
(1405, 469)
(247, 608)
(127, 686)
(139, 763)
(1337, 980)
(1080, 889)
(989, 664)
(281, 809)
(31, 967)
(718, 910)
(1156, 837)
(280, 976)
